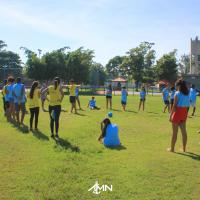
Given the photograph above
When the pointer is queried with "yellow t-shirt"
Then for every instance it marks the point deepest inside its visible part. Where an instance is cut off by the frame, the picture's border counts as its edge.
(72, 90)
(4, 90)
(54, 96)
(34, 102)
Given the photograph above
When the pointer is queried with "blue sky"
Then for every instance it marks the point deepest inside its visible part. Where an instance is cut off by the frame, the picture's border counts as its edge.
(110, 27)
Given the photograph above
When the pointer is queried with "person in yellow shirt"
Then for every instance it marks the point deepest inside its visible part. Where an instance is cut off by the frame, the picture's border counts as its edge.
(34, 106)
(3, 94)
(72, 95)
(55, 97)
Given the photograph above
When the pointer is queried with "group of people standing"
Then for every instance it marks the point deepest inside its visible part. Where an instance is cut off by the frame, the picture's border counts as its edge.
(15, 97)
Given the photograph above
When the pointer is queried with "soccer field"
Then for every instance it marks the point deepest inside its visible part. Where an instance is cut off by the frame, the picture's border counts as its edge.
(36, 167)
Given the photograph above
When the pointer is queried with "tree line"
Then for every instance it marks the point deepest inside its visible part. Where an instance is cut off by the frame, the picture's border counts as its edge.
(138, 64)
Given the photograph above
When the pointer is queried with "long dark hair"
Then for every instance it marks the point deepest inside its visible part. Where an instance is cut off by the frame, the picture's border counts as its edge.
(56, 82)
(33, 86)
(182, 86)
(106, 122)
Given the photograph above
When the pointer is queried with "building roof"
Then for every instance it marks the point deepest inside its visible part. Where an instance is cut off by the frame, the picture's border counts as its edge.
(119, 79)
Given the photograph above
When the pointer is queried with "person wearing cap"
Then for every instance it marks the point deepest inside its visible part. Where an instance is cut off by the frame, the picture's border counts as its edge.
(109, 134)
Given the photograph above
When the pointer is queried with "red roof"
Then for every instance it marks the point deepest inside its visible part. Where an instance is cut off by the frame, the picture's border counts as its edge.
(119, 79)
(163, 82)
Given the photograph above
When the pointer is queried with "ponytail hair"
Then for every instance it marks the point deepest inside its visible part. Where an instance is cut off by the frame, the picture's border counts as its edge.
(106, 122)
(56, 82)
(182, 86)
(33, 86)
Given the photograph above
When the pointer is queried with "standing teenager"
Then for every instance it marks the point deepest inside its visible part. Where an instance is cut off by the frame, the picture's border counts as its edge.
(179, 114)
(34, 106)
(109, 96)
(142, 98)
(193, 98)
(165, 95)
(19, 100)
(55, 97)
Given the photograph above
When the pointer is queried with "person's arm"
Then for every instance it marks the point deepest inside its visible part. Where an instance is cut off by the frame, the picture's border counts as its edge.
(39, 93)
(88, 104)
(174, 106)
(62, 94)
(101, 135)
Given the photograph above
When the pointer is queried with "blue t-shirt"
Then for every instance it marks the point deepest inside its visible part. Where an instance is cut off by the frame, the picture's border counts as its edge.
(76, 91)
(109, 92)
(142, 94)
(92, 103)
(19, 91)
(183, 100)
(124, 95)
(9, 88)
(193, 95)
(165, 94)
(172, 94)
(111, 138)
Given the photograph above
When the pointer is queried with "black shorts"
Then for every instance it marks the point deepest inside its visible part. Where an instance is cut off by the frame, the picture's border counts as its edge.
(166, 102)
(123, 102)
(108, 97)
(171, 101)
(7, 104)
(72, 99)
(143, 99)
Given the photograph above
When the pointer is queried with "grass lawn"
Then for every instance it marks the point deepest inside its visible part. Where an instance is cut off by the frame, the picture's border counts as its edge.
(33, 166)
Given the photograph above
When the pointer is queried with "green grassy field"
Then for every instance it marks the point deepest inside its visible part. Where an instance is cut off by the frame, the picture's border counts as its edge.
(33, 166)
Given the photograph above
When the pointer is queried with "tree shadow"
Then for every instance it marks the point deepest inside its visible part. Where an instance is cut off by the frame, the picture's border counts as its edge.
(66, 145)
(39, 135)
(190, 155)
(118, 148)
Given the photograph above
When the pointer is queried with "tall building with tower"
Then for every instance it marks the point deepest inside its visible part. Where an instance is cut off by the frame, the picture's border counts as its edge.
(195, 56)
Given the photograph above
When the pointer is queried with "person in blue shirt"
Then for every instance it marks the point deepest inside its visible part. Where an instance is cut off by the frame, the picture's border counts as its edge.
(193, 98)
(19, 100)
(92, 104)
(165, 95)
(124, 95)
(142, 98)
(173, 90)
(109, 134)
(179, 113)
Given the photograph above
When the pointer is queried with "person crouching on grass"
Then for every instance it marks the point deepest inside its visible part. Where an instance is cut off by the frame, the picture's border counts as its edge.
(142, 98)
(92, 104)
(179, 114)
(109, 134)
(124, 95)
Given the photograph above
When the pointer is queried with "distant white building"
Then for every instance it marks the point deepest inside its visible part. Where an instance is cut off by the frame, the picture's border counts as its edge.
(195, 56)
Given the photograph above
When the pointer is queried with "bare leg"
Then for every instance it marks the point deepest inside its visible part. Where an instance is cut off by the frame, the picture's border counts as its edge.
(140, 105)
(174, 136)
(17, 115)
(22, 117)
(79, 104)
(194, 109)
(111, 104)
(143, 105)
(106, 103)
(184, 135)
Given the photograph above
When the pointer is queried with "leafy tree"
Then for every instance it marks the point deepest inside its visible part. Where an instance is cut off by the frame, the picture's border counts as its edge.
(113, 67)
(97, 75)
(10, 63)
(166, 67)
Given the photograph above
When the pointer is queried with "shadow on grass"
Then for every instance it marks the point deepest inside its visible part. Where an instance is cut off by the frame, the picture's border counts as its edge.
(80, 114)
(118, 148)
(66, 145)
(190, 155)
(22, 128)
(117, 110)
(39, 135)
(132, 111)
(153, 113)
